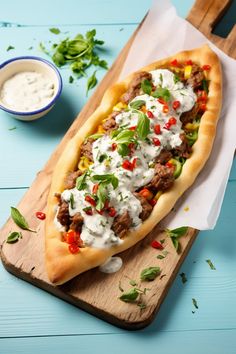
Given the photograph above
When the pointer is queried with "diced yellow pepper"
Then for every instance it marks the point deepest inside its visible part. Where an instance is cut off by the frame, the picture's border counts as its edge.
(192, 126)
(119, 106)
(157, 196)
(84, 163)
(100, 129)
(187, 71)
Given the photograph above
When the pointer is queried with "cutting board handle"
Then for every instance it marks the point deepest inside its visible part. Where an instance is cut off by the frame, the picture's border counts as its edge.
(204, 15)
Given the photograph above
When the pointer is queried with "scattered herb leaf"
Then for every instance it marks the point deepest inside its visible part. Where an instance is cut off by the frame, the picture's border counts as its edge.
(95, 136)
(10, 47)
(161, 92)
(55, 30)
(101, 197)
(143, 126)
(72, 201)
(195, 304)
(137, 104)
(106, 179)
(146, 86)
(71, 79)
(162, 241)
(160, 256)
(13, 237)
(13, 128)
(133, 282)
(120, 287)
(80, 182)
(175, 234)
(211, 265)
(19, 219)
(176, 78)
(124, 137)
(162, 276)
(183, 278)
(130, 296)
(150, 273)
(205, 85)
(92, 82)
(142, 306)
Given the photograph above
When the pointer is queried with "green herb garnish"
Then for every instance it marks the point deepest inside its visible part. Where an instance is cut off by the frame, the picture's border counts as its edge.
(92, 82)
(80, 182)
(163, 93)
(101, 197)
(175, 234)
(106, 179)
(211, 265)
(72, 201)
(143, 126)
(137, 104)
(124, 137)
(13, 237)
(13, 128)
(102, 158)
(132, 282)
(205, 85)
(55, 30)
(10, 47)
(176, 78)
(19, 220)
(183, 278)
(195, 304)
(130, 296)
(146, 86)
(71, 79)
(150, 273)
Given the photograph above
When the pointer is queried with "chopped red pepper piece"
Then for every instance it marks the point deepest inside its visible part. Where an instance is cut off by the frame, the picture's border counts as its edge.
(134, 162)
(202, 96)
(206, 67)
(174, 62)
(165, 108)
(172, 121)
(127, 165)
(40, 215)
(88, 211)
(176, 104)
(150, 114)
(90, 200)
(152, 202)
(113, 146)
(95, 188)
(160, 100)
(131, 147)
(73, 248)
(71, 236)
(169, 164)
(157, 245)
(156, 142)
(146, 193)
(189, 62)
(157, 129)
(100, 211)
(106, 204)
(112, 212)
(133, 127)
(203, 107)
(167, 126)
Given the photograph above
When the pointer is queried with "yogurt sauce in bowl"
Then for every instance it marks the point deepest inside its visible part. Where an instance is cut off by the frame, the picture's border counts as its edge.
(29, 87)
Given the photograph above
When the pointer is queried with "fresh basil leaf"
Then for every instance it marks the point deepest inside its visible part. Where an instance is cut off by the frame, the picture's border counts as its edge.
(161, 79)
(80, 182)
(76, 48)
(176, 78)
(103, 64)
(160, 256)
(19, 219)
(161, 92)
(72, 201)
(124, 137)
(58, 59)
(92, 82)
(55, 30)
(95, 136)
(106, 179)
(102, 158)
(175, 243)
(91, 34)
(143, 126)
(137, 104)
(13, 237)
(71, 79)
(150, 273)
(123, 150)
(130, 296)
(180, 231)
(101, 197)
(10, 47)
(146, 86)
(211, 265)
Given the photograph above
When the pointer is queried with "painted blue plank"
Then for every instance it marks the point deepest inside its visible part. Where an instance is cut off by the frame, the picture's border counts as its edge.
(29, 146)
(73, 12)
(190, 342)
(211, 288)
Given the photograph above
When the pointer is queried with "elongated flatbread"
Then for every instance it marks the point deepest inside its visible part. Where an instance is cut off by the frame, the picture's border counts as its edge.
(63, 265)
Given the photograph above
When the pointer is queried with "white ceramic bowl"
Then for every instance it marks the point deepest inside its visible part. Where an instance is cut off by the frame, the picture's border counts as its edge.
(17, 65)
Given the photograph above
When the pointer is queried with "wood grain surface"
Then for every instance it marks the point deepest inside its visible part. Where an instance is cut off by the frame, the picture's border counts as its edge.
(94, 291)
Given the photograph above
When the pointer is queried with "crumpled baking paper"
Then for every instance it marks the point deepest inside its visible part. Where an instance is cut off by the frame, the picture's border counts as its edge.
(162, 34)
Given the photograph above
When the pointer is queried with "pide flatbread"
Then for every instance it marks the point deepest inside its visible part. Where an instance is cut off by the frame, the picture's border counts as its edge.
(131, 161)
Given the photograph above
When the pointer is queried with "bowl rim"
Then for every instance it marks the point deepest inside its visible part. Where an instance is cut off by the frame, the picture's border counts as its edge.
(51, 103)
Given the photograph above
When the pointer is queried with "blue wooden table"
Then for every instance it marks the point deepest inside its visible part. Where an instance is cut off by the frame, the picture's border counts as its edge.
(32, 320)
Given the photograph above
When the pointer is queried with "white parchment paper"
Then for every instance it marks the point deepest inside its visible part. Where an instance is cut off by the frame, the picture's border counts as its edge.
(163, 34)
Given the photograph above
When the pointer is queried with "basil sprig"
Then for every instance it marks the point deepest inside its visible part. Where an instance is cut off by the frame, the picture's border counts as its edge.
(137, 104)
(143, 126)
(101, 197)
(124, 136)
(106, 179)
(146, 86)
(102, 194)
(13, 237)
(162, 92)
(92, 82)
(175, 234)
(130, 296)
(150, 273)
(80, 182)
(19, 220)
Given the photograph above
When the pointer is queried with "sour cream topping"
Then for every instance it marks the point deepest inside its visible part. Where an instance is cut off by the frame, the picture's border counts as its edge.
(27, 91)
(96, 230)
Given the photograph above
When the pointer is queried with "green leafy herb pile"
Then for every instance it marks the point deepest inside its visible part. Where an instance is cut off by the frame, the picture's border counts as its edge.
(80, 53)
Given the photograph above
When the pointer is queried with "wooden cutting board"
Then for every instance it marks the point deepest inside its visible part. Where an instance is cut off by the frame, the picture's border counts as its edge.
(94, 291)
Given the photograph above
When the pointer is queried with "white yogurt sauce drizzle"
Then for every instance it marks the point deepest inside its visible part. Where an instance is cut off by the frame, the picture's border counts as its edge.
(96, 230)
(112, 265)
(27, 91)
